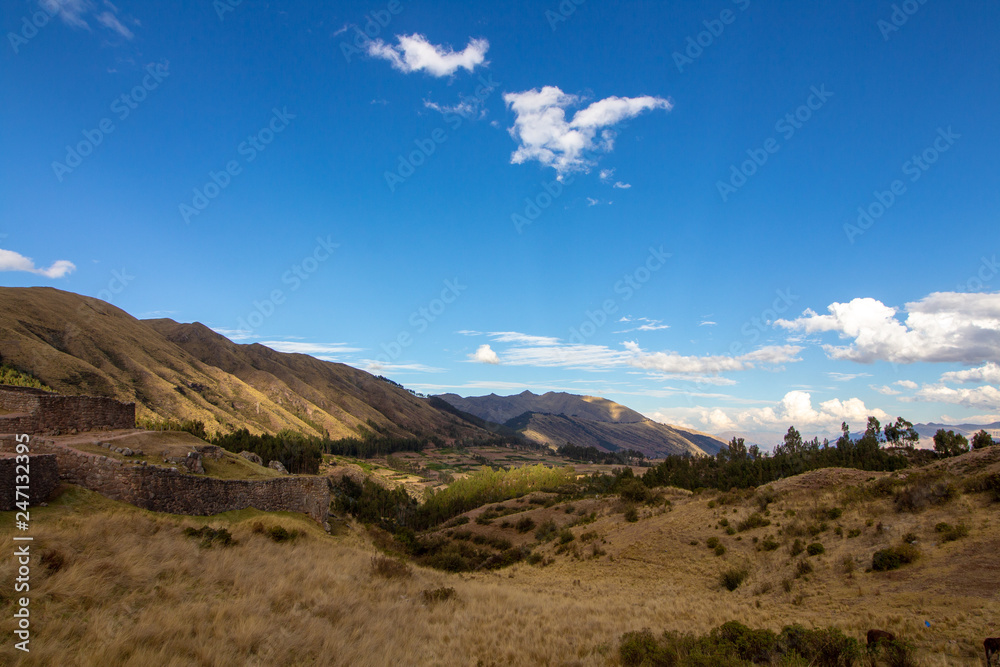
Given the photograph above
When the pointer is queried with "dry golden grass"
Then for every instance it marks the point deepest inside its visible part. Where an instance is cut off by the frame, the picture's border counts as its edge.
(135, 591)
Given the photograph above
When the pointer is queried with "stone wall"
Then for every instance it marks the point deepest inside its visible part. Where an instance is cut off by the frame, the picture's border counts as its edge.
(37, 412)
(43, 477)
(163, 489)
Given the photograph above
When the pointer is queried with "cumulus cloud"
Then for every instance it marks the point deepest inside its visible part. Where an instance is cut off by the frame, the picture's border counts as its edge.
(988, 373)
(987, 396)
(795, 409)
(544, 134)
(941, 327)
(12, 261)
(414, 53)
(485, 355)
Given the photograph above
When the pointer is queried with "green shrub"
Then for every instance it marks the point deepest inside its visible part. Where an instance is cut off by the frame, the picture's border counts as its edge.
(797, 547)
(641, 649)
(732, 578)
(769, 544)
(815, 549)
(720, 550)
(755, 520)
(524, 524)
(546, 531)
(631, 514)
(897, 653)
(390, 568)
(566, 536)
(894, 558)
(210, 536)
(925, 491)
(951, 533)
(853, 532)
(803, 568)
(438, 594)
(827, 647)
(712, 542)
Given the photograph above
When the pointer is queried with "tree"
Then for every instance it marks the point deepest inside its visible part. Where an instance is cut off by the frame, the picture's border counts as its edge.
(982, 440)
(737, 449)
(902, 434)
(950, 443)
(793, 441)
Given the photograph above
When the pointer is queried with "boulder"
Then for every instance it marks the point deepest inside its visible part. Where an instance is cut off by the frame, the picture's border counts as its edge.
(253, 458)
(193, 463)
(276, 465)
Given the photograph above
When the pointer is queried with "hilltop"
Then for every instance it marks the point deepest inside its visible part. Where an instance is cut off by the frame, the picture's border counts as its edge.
(81, 345)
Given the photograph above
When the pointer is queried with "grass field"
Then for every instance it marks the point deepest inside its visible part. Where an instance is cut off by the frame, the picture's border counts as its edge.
(112, 584)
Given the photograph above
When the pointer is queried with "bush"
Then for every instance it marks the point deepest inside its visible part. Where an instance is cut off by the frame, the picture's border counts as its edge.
(641, 648)
(769, 544)
(894, 558)
(566, 536)
(524, 524)
(720, 550)
(924, 492)
(634, 491)
(390, 568)
(828, 647)
(631, 514)
(210, 536)
(712, 542)
(804, 567)
(897, 653)
(438, 595)
(951, 533)
(853, 532)
(732, 578)
(815, 549)
(545, 531)
(797, 547)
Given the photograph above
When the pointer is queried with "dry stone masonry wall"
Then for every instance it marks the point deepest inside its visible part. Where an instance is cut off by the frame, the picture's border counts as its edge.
(163, 489)
(40, 412)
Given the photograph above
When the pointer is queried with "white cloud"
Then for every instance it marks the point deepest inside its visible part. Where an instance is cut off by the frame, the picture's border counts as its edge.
(648, 325)
(544, 134)
(622, 186)
(75, 13)
(672, 362)
(886, 390)
(464, 109)
(795, 409)
(12, 261)
(989, 373)
(708, 323)
(592, 202)
(485, 355)
(109, 20)
(313, 349)
(607, 174)
(373, 366)
(941, 327)
(414, 53)
(847, 377)
(985, 397)
(906, 384)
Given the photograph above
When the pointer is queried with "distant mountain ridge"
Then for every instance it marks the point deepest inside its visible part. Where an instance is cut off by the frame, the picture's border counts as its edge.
(81, 345)
(556, 418)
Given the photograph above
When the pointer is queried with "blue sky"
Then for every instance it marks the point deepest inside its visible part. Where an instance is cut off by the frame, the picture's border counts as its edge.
(730, 215)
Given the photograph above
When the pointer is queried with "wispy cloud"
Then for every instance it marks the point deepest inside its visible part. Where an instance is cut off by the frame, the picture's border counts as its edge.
(314, 349)
(76, 13)
(13, 261)
(647, 325)
(847, 377)
(413, 53)
(544, 134)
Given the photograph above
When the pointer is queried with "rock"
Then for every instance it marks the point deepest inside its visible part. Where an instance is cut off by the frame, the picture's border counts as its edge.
(193, 463)
(118, 450)
(276, 465)
(210, 451)
(253, 458)
(127, 452)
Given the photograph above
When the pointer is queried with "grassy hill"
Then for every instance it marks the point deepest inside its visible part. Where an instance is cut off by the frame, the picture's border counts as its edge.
(80, 345)
(117, 585)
